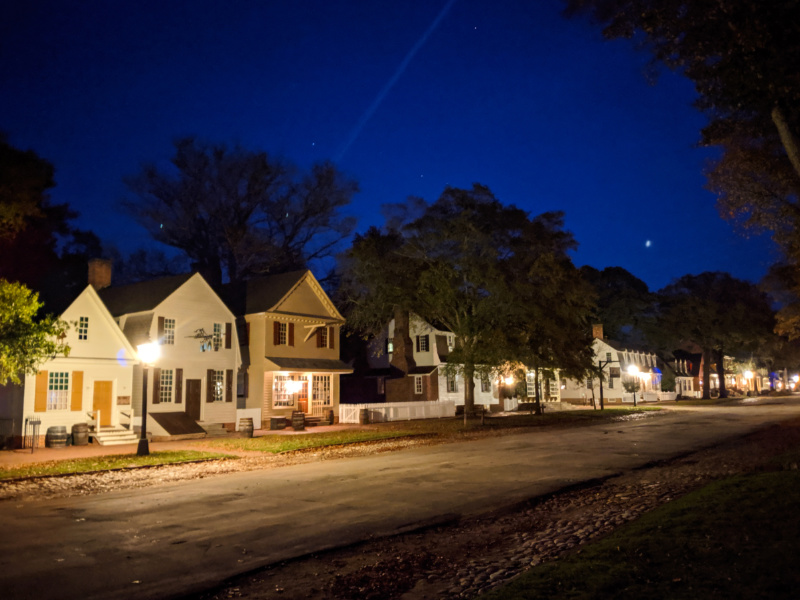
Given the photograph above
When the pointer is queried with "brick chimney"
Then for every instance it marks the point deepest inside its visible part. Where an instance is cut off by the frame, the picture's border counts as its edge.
(99, 273)
(597, 331)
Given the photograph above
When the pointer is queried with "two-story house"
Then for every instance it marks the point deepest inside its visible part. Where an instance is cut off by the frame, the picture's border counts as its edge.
(93, 382)
(190, 389)
(427, 372)
(292, 345)
(621, 362)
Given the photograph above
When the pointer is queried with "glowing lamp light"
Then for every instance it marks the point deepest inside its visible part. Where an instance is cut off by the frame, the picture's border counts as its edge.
(796, 378)
(149, 353)
(748, 374)
(293, 386)
(633, 370)
(509, 380)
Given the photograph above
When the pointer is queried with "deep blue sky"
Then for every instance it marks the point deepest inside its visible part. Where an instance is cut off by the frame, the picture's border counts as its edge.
(505, 93)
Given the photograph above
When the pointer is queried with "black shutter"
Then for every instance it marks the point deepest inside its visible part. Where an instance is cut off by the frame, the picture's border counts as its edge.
(229, 385)
(160, 332)
(228, 335)
(210, 385)
(156, 385)
(178, 386)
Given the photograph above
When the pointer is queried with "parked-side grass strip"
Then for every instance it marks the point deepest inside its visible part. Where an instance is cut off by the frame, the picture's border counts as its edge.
(109, 462)
(442, 429)
(737, 538)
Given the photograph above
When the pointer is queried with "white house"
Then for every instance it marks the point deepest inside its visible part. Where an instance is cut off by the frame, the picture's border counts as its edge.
(431, 345)
(620, 362)
(95, 380)
(190, 389)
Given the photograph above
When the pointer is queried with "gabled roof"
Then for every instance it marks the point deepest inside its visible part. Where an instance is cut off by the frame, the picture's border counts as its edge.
(265, 294)
(140, 297)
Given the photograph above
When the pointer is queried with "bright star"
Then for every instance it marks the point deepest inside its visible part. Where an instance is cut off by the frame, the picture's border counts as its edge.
(647, 244)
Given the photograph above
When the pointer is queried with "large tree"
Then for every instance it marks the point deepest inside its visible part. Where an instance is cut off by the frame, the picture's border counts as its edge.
(483, 270)
(25, 340)
(742, 56)
(24, 181)
(236, 213)
(720, 314)
(623, 301)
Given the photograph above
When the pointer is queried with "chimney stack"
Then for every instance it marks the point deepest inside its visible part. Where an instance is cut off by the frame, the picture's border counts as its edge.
(99, 273)
(597, 331)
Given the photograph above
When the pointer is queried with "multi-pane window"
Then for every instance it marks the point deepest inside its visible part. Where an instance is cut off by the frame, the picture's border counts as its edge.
(608, 356)
(323, 337)
(589, 384)
(282, 335)
(486, 385)
(219, 386)
(169, 331)
(530, 384)
(217, 336)
(417, 384)
(389, 346)
(167, 380)
(452, 383)
(321, 390)
(553, 388)
(283, 388)
(83, 328)
(451, 342)
(57, 391)
(423, 343)
(610, 382)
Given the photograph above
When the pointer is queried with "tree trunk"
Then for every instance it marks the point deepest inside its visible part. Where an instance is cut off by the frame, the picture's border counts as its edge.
(706, 374)
(538, 394)
(788, 138)
(469, 390)
(723, 391)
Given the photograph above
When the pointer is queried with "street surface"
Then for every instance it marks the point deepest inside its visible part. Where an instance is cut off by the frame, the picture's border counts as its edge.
(181, 538)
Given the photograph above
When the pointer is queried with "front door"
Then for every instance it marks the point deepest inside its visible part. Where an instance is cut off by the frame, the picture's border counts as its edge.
(193, 398)
(302, 397)
(101, 400)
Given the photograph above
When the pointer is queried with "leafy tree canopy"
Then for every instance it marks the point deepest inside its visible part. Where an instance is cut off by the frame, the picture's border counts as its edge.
(24, 181)
(236, 213)
(623, 301)
(25, 341)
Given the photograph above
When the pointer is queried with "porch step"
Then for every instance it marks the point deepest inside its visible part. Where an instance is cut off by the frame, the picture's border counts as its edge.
(114, 436)
(215, 430)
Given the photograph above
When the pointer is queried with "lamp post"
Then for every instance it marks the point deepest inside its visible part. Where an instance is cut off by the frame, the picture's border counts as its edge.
(633, 371)
(148, 354)
(600, 366)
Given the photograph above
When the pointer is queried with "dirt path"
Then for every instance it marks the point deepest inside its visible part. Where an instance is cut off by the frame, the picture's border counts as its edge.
(462, 559)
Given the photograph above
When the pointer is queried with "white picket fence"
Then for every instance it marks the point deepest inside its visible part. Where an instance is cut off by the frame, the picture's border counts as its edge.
(397, 411)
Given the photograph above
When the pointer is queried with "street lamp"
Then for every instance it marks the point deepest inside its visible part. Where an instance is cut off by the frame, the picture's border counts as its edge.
(748, 375)
(633, 371)
(148, 354)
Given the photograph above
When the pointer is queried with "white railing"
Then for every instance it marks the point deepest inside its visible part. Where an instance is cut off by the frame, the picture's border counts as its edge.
(667, 396)
(397, 411)
(650, 396)
(510, 404)
(249, 413)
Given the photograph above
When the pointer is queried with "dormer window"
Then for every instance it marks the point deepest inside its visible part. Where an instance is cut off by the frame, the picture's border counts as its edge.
(422, 343)
(83, 328)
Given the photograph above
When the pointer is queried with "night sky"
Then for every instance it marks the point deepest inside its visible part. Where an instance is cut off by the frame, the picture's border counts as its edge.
(406, 97)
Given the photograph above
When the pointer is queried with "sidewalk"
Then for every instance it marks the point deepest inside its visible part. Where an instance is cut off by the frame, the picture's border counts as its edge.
(14, 458)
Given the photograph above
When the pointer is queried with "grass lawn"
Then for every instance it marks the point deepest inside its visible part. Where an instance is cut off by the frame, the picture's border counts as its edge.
(738, 538)
(105, 463)
(443, 429)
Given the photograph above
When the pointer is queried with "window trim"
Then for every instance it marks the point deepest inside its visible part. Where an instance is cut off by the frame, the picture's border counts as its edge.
(418, 389)
(169, 332)
(83, 328)
(59, 395)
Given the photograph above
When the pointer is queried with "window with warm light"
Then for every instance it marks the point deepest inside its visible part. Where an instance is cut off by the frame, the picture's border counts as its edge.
(219, 386)
(321, 390)
(57, 391)
(217, 336)
(283, 389)
(167, 378)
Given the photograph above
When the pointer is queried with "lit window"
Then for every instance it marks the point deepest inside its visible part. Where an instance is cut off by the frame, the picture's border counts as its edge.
(389, 346)
(530, 384)
(417, 384)
(452, 383)
(553, 387)
(57, 391)
(219, 385)
(321, 390)
(283, 389)
(451, 342)
(83, 328)
(217, 336)
(165, 393)
(169, 331)
(486, 386)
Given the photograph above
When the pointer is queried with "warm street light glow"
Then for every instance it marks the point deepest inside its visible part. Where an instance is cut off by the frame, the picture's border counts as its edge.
(149, 353)
(633, 370)
(748, 374)
(293, 386)
(509, 380)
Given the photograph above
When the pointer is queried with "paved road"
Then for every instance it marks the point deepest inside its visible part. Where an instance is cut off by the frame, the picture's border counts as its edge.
(176, 539)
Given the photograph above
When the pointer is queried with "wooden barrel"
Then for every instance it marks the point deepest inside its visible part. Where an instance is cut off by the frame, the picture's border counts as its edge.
(56, 437)
(298, 420)
(80, 434)
(330, 417)
(246, 427)
(363, 416)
